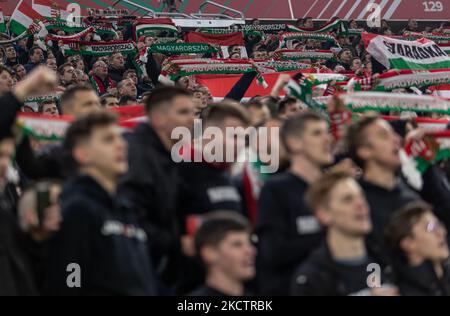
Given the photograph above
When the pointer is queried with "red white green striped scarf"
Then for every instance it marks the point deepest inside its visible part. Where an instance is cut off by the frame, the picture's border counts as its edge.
(291, 54)
(76, 36)
(183, 48)
(211, 66)
(384, 102)
(99, 86)
(75, 47)
(328, 27)
(392, 80)
(284, 37)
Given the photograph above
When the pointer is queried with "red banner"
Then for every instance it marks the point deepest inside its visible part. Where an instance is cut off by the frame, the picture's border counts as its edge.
(218, 39)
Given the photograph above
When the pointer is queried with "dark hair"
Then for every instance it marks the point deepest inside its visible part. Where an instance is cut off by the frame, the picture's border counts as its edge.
(7, 69)
(319, 192)
(401, 224)
(105, 97)
(128, 71)
(294, 126)
(45, 102)
(62, 68)
(82, 128)
(285, 102)
(216, 226)
(125, 99)
(218, 112)
(164, 95)
(69, 94)
(355, 137)
(33, 50)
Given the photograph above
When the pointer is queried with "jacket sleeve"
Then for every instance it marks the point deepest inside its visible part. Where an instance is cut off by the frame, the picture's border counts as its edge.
(277, 249)
(9, 107)
(436, 190)
(238, 91)
(71, 245)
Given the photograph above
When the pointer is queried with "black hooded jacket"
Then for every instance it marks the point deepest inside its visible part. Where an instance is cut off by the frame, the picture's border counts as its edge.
(151, 184)
(100, 234)
(422, 280)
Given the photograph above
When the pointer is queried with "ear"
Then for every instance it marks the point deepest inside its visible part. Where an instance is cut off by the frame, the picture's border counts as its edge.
(80, 155)
(209, 255)
(323, 216)
(407, 244)
(295, 145)
(364, 152)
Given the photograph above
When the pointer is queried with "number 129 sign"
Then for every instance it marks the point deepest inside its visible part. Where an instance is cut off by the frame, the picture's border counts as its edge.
(433, 6)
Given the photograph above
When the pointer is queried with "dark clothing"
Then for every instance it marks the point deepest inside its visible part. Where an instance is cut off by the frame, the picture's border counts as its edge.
(321, 275)
(10, 63)
(421, 280)
(15, 272)
(436, 191)
(287, 230)
(151, 185)
(29, 67)
(384, 202)
(116, 74)
(207, 291)
(237, 92)
(206, 188)
(51, 162)
(100, 233)
(9, 106)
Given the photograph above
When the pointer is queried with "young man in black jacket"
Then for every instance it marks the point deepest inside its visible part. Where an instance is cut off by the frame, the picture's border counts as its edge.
(342, 265)
(99, 238)
(223, 244)
(375, 147)
(152, 180)
(419, 245)
(287, 229)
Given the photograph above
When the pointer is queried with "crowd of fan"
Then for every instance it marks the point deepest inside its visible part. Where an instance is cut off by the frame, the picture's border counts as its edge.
(137, 223)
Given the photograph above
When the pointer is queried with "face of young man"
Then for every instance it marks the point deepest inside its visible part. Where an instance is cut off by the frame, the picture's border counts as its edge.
(128, 88)
(104, 151)
(180, 113)
(6, 82)
(347, 209)
(117, 61)
(21, 71)
(291, 109)
(233, 142)
(235, 256)
(314, 143)
(428, 239)
(50, 109)
(36, 56)
(82, 103)
(51, 63)
(69, 75)
(112, 102)
(382, 145)
(6, 152)
(11, 53)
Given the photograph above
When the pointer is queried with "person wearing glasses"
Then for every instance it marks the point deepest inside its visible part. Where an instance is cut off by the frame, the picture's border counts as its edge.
(420, 250)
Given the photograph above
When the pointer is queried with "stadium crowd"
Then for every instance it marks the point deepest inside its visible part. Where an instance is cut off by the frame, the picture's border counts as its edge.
(110, 198)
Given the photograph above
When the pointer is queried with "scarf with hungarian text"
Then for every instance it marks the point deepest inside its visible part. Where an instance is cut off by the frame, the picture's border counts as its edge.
(289, 36)
(435, 37)
(51, 24)
(75, 47)
(76, 36)
(337, 25)
(290, 54)
(183, 48)
(385, 102)
(210, 66)
(392, 80)
(392, 53)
